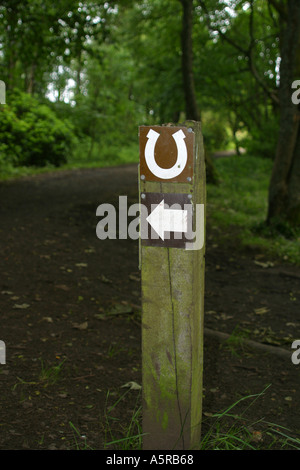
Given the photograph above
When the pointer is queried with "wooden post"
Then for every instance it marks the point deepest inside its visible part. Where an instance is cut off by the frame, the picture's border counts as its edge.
(2, 92)
(172, 273)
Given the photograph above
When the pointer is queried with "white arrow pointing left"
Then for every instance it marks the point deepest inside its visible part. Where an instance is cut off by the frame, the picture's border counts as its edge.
(167, 220)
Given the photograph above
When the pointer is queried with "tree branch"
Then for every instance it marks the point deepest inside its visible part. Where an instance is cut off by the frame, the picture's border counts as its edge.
(279, 7)
(247, 52)
(215, 28)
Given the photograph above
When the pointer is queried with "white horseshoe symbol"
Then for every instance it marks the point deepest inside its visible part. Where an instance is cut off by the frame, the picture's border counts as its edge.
(175, 170)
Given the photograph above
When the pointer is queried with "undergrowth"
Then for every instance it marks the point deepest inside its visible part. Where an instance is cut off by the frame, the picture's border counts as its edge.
(230, 429)
(240, 200)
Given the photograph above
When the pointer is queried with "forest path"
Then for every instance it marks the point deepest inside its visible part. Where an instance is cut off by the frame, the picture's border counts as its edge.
(70, 317)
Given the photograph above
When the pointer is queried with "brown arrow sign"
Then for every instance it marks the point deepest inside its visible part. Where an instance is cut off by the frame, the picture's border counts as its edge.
(167, 220)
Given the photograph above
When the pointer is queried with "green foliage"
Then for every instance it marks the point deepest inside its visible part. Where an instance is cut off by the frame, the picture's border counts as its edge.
(241, 200)
(236, 68)
(31, 134)
(151, 31)
(125, 63)
(263, 139)
(278, 227)
(215, 131)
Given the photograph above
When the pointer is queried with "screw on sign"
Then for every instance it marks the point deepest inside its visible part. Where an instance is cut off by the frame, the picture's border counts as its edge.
(172, 187)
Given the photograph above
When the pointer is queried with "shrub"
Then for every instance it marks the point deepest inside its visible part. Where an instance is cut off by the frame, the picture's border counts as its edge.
(32, 134)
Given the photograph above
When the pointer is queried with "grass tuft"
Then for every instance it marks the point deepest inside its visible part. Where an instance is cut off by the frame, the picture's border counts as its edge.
(230, 431)
(120, 436)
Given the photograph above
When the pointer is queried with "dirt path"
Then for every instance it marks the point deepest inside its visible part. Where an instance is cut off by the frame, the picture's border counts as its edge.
(70, 315)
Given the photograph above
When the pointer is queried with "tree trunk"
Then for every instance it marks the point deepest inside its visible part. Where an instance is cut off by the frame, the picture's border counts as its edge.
(191, 108)
(30, 79)
(192, 112)
(284, 189)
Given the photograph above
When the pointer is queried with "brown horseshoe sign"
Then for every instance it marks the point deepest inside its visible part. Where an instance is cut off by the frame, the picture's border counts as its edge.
(166, 154)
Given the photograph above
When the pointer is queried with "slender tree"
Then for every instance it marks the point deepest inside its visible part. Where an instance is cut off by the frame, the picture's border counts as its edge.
(191, 108)
(192, 111)
(284, 189)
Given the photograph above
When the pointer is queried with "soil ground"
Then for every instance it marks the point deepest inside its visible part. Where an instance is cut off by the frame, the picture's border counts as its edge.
(70, 318)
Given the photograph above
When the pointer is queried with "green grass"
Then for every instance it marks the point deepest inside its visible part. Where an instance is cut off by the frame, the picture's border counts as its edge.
(100, 157)
(230, 429)
(241, 197)
(8, 172)
(50, 375)
(235, 342)
(120, 436)
(241, 201)
(111, 155)
(235, 431)
(80, 442)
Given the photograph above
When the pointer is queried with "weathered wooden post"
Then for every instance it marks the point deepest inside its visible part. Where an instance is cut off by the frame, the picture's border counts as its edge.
(2, 92)
(172, 173)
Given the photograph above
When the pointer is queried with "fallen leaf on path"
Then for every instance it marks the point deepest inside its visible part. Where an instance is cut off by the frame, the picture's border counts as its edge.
(21, 306)
(80, 326)
(268, 264)
(261, 311)
(48, 319)
(132, 277)
(105, 279)
(223, 316)
(272, 340)
(49, 242)
(81, 265)
(62, 287)
(89, 250)
(132, 386)
(119, 309)
(6, 292)
(100, 316)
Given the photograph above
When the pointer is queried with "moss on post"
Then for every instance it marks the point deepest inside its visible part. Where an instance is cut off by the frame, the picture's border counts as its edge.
(172, 326)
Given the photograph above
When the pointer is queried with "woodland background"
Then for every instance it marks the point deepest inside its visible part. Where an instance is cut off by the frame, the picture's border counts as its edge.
(81, 76)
